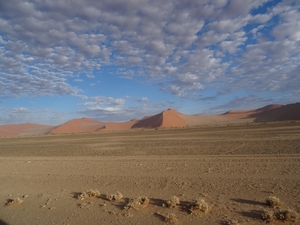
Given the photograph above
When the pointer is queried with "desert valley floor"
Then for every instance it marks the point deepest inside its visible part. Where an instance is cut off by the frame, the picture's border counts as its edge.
(234, 169)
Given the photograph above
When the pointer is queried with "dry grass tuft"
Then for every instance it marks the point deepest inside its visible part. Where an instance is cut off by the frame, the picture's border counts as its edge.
(171, 218)
(138, 203)
(115, 197)
(268, 216)
(232, 222)
(86, 194)
(273, 201)
(286, 215)
(173, 202)
(200, 207)
(14, 202)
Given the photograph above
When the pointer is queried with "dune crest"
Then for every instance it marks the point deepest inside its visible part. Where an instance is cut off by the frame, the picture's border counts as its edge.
(11, 130)
(254, 111)
(268, 108)
(117, 126)
(165, 119)
(280, 113)
(78, 125)
(171, 118)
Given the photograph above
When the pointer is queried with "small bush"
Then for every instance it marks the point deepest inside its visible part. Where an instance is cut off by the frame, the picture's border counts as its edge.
(14, 202)
(200, 207)
(86, 194)
(268, 216)
(232, 222)
(138, 203)
(171, 218)
(173, 202)
(273, 201)
(287, 215)
(115, 197)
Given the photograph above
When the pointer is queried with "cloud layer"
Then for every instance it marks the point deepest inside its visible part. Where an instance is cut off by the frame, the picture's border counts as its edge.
(183, 47)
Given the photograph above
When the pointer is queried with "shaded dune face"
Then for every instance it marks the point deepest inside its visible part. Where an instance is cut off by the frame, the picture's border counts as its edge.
(270, 113)
(117, 126)
(285, 112)
(255, 111)
(165, 119)
(149, 122)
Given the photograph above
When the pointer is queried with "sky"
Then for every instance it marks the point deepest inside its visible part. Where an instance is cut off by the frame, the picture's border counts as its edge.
(115, 60)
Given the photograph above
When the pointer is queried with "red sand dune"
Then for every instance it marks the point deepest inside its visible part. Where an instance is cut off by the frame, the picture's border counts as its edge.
(268, 108)
(117, 126)
(10, 130)
(254, 111)
(167, 118)
(78, 126)
(269, 113)
(280, 113)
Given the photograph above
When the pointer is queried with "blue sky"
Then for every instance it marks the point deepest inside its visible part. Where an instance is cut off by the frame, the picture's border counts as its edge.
(115, 60)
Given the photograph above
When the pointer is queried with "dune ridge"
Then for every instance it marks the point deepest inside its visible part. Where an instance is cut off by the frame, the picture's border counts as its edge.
(78, 125)
(23, 129)
(117, 126)
(164, 119)
(167, 118)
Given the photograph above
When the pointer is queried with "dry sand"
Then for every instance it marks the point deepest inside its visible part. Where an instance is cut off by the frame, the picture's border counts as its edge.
(233, 168)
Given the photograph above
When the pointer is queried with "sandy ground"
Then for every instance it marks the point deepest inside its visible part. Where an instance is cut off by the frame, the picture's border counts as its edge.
(233, 168)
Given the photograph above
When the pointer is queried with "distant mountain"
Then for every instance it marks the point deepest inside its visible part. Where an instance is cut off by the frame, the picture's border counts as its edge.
(167, 118)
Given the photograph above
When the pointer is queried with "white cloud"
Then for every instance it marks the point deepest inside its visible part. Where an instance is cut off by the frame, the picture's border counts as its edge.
(220, 3)
(104, 101)
(105, 108)
(241, 103)
(24, 115)
(121, 114)
(20, 110)
(182, 46)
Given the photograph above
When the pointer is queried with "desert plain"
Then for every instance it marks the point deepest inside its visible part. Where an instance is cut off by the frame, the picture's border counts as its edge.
(233, 168)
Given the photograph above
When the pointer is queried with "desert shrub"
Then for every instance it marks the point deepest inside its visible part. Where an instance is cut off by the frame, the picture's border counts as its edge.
(273, 201)
(14, 202)
(86, 194)
(115, 197)
(268, 216)
(173, 202)
(171, 218)
(287, 215)
(231, 222)
(200, 206)
(138, 203)
(85, 205)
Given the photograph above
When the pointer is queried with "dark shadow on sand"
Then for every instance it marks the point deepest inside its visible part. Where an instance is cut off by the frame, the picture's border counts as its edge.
(159, 216)
(247, 201)
(157, 202)
(255, 214)
(3, 223)
(121, 204)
